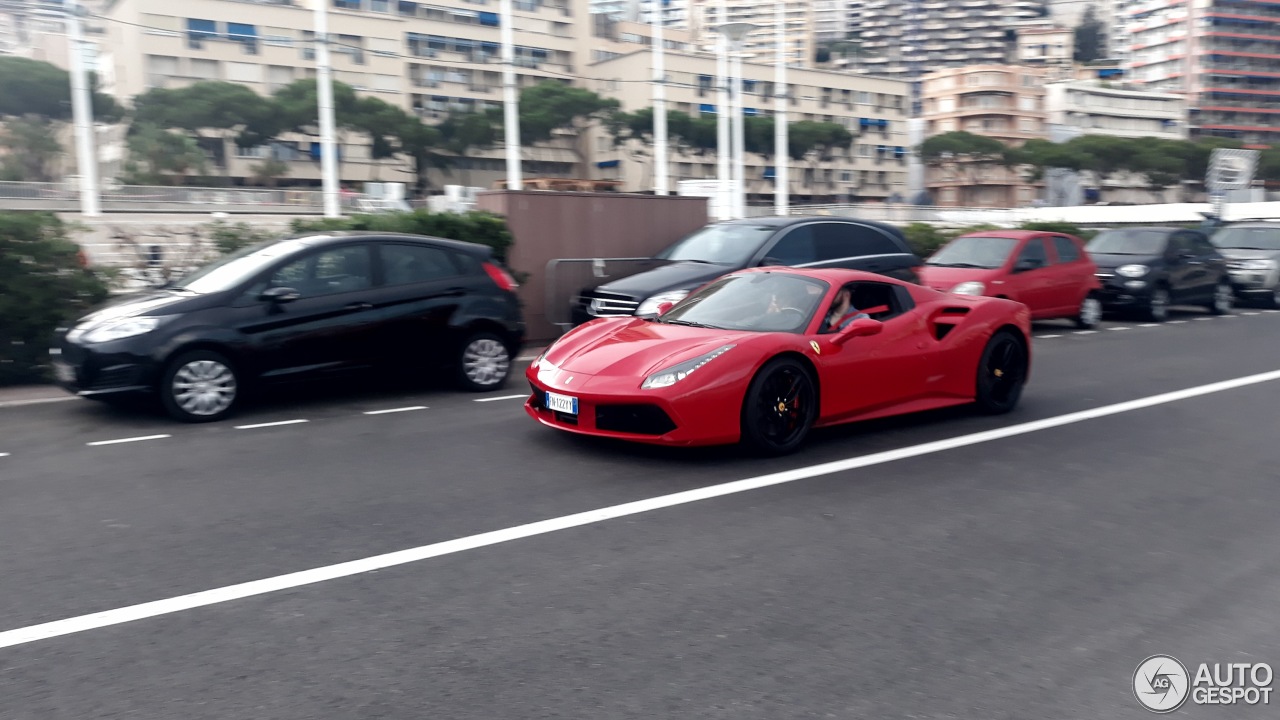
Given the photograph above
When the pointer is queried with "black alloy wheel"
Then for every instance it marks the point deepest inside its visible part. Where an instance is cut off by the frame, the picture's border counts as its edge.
(1002, 373)
(780, 407)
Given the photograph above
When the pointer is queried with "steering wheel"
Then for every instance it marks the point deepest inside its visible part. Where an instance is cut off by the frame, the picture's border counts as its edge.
(784, 318)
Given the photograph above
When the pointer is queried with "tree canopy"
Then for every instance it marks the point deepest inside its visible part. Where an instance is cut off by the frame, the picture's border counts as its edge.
(1090, 37)
(31, 87)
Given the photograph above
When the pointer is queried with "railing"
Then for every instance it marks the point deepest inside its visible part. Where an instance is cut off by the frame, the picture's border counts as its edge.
(66, 196)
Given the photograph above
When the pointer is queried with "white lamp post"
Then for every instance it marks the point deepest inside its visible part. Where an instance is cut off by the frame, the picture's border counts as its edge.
(735, 33)
(82, 112)
(510, 97)
(324, 96)
(781, 150)
(661, 176)
(723, 151)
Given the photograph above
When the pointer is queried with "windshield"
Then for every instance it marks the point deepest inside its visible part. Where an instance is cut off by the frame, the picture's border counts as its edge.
(760, 302)
(1248, 238)
(1128, 242)
(228, 272)
(974, 252)
(723, 244)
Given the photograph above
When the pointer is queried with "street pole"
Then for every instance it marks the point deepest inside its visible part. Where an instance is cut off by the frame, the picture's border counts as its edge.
(781, 151)
(82, 114)
(324, 93)
(723, 180)
(739, 180)
(510, 98)
(661, 174)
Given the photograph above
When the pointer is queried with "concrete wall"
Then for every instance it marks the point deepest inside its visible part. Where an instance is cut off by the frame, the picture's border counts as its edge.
(556, 225)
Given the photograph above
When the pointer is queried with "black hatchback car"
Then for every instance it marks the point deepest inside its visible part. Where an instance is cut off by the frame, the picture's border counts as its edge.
(296, 309)
(1148, 269)
(720, 248)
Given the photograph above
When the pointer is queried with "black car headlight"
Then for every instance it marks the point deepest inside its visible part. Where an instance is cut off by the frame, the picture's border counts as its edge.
(122, 328)
(676, 373)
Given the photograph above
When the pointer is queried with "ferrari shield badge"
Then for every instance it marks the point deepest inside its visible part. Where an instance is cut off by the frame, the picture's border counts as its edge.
(814, 345)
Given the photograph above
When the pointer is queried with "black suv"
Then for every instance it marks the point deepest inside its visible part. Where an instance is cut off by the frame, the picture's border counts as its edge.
(720, 248)
(1150, 268)
(300, 308)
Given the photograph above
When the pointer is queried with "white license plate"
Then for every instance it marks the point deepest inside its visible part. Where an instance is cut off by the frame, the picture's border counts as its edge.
(64, 372)
(562, 403)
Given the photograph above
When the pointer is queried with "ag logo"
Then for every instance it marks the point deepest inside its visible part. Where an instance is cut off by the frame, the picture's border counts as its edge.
(1161, 683)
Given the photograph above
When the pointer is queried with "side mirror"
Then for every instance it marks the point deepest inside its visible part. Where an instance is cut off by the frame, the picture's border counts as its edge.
(862, 327)
(279, 295)
(1027, 264)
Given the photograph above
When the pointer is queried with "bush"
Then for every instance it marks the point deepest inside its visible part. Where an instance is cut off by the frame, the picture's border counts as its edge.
(43, 283)
(477, 227)
(229, 238)
(1061, 227)
(924, 238)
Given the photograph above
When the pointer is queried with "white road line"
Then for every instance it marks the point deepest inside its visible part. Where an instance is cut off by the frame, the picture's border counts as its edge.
(1203, 319)
(1271, 311)
(129, 440)
(1251, 313)
(396, 410)
(155, 608)
(270, 424)
(37, 401)
(1149, 325)
(1047, 337)
(504, 397)
(1086, 332)
(1122, 327)
(1177, 322)
(4, 454)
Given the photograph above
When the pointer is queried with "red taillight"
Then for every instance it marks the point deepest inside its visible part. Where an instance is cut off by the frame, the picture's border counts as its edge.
(501, 277)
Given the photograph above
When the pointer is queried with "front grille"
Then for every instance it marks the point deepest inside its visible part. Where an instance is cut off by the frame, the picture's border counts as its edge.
(634, 419)
(606, 304)
(1104, 275)
(115, 377)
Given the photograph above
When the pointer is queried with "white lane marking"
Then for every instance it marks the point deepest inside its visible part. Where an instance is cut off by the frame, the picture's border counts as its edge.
(504, 397)
(1177, 322)
(1086, 332)
(1202, 319)
(270, 424)
(396, 410)
(129, 440)
(1122, 327)
(36, 401)
(1047, 337)
(1271, 311)
(4, 454)
(1251, 313)
(83, 623)
(1149, 325)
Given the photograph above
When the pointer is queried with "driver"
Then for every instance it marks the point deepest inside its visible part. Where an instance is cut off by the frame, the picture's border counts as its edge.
(843, 312)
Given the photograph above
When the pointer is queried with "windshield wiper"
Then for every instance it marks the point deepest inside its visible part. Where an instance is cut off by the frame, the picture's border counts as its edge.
(688, 323)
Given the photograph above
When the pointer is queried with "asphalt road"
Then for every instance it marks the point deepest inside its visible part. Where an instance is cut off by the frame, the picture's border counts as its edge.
(1022, 577)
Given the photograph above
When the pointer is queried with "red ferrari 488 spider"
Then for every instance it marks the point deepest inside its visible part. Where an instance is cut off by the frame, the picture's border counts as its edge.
(764, 355)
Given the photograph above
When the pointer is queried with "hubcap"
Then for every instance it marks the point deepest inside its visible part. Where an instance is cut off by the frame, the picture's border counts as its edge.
(1091, 311)
(1222, 298)
(1159, 303)
(784, 404)
(204, 387)
(1005, 367)
(485, 362)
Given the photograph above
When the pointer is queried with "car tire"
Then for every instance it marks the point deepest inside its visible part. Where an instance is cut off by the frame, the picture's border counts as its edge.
(1274, 301)
(1002, 373)
(1158, 305)
(780, 407)
(200, 386)
(484, 362)
(1090, 314)
(1223, 298)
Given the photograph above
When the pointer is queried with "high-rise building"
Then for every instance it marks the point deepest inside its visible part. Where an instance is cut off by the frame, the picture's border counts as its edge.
(1224, 55)
(760, 44)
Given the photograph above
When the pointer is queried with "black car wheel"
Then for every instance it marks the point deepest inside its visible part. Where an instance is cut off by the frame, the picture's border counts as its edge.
(1090, 312)
(1275, 298)
(780, 407)
(1002, 373)
(484, 363)
(1223, 298)
(200, 386)
(1158, 305)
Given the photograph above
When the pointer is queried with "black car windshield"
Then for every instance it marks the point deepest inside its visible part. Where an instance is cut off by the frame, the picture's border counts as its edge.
(722, 244)
(977, 251)
(1128, 242)
(232, 270)
(1248, 238)
(759, 302)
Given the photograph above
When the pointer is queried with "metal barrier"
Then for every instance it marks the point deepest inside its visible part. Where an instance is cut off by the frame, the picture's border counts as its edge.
(566, 278)
(39, 196)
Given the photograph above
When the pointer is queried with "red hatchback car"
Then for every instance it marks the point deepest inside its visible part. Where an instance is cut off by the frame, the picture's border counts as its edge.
(1050, 273)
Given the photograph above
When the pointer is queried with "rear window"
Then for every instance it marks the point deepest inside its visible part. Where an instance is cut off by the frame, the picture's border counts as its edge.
(1129, 242)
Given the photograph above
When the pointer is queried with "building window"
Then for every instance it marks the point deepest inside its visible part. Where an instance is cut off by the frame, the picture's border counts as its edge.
(200, 30)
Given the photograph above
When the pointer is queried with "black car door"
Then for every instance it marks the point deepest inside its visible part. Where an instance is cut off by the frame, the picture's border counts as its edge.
(423, 288)
(1213, 265)
(1190, 276)
(327, 327)
(859, 247)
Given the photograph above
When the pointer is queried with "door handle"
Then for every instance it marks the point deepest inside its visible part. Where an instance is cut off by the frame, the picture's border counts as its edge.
(359, 306)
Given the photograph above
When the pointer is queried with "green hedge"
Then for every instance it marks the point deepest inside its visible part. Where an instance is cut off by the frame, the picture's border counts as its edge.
(42, 285)
(477, 227)
(926, 239)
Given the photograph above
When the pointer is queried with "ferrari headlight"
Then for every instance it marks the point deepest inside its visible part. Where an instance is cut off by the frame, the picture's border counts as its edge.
(969, 288)
(1259, 265)
(122, 328)
(650, 306)
(1133, 270)
(676, 373)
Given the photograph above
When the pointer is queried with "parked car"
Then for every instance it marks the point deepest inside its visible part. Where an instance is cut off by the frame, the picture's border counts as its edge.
(1253, 259)
(1048, 272)
(720, 248)
(763, 355)
(300, 308)
(1147, 269)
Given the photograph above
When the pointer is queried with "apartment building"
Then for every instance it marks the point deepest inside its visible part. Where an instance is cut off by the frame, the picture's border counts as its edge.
(1096, 108)
(874, 110)
(675, 13)
(1004, 102)
(427, 59)
(800, 27)
(1224, 54)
